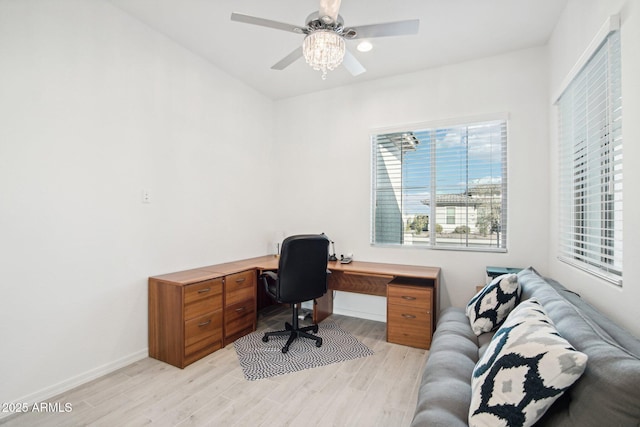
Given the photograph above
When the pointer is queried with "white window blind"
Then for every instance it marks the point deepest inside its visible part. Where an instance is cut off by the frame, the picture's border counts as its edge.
(441, 186)
(590, 132)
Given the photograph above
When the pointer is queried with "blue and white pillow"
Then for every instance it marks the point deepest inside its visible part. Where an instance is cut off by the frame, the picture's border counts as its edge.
(526, 367)
(489, 307)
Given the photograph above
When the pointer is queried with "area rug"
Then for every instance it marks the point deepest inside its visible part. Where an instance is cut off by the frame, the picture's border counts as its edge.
(265, 359)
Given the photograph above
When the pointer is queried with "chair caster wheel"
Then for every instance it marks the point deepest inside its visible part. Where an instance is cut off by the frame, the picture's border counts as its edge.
(285, 349)
(265, 338)
(319, 343)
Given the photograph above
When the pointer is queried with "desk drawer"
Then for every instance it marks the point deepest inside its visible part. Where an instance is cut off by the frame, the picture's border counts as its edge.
(203, 327)
(202, 306)
(408, 316)
(409, 296)
(202, 290)
(409, 326)
(239, 317)
(238, 281)
(361, 283)
(202, 338)
(240, 295)
(201, 349)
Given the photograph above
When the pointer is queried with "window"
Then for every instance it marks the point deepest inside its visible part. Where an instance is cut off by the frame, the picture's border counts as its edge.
(441, 186)
(590, 134)
(451, 214)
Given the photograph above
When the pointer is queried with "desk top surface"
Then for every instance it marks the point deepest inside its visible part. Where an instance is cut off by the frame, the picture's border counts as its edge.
(270, 262)
(384, 269)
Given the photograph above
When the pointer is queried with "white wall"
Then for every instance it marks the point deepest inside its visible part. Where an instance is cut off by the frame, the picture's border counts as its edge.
(577, 27)
(95, 107)
(322, 139)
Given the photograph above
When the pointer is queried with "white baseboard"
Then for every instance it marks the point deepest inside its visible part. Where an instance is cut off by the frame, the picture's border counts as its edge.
(83, 378)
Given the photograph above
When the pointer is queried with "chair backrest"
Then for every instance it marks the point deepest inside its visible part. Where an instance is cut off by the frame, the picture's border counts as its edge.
(302, 269)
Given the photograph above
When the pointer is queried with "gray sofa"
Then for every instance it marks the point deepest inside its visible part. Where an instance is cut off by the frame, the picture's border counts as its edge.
(607, 394)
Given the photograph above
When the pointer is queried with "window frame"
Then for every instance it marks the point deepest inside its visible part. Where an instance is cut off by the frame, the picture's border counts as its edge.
(588, 154)
(501, 239)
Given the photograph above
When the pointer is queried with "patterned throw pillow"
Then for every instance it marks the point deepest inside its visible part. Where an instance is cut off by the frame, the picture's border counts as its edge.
(526, 367)
(489, 307)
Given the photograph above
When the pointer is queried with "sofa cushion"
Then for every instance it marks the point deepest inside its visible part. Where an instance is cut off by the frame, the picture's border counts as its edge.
(608, 393)
(525, 369)
(491, 305)
(605, 326)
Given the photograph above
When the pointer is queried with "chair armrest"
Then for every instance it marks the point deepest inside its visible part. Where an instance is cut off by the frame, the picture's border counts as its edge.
(268, 274)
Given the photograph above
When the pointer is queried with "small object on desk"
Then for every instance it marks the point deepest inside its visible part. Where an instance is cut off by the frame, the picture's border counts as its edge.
(333, 256)
(346, 260)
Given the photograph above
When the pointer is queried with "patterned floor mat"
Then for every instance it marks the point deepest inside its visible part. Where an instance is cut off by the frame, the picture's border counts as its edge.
(262, 360)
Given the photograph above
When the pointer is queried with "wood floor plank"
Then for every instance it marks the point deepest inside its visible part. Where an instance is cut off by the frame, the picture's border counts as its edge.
(376, 390)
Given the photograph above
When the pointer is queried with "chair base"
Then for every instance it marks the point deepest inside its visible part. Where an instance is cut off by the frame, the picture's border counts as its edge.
(294, 331)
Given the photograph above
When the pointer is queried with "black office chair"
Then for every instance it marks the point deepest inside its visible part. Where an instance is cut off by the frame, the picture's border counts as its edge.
(302, 276)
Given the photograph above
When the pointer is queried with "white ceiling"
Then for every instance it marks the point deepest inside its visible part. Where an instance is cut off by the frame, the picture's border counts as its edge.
(450, 31)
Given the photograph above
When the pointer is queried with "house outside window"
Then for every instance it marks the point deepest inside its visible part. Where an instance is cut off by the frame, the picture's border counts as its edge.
(441, 186)
(591, 157)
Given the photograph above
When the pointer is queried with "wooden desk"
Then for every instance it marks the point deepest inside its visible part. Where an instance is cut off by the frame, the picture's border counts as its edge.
(195, 312)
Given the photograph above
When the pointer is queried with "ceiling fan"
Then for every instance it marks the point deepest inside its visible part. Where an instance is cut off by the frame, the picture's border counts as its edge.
(325, 34)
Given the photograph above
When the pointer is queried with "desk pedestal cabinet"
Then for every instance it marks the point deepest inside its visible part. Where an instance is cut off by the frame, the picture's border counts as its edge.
(239, 305)
(192, 315)
(409, 313)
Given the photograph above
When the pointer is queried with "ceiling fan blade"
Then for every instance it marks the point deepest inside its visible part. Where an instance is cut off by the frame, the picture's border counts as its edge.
(288, 60)
(239, 17)
(352, 64)
(399, 28)
(329, 8)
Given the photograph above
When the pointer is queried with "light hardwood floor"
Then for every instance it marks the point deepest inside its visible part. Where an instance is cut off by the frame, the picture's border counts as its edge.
(378, 390)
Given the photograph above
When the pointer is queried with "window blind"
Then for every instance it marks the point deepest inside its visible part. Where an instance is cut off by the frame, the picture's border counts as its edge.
(441, 186)
(590, 133)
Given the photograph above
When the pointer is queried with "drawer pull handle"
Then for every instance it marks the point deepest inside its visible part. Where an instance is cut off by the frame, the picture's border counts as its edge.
(238, 310)
(204, 323)
(408, 298)
(240, 280)
(408, 316)
(202, 291)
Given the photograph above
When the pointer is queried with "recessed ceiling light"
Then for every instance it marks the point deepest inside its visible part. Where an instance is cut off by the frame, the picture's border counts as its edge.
(364, 46)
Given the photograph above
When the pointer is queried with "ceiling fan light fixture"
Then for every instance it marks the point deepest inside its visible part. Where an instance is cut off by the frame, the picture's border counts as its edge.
(323, 50)
(364, 46)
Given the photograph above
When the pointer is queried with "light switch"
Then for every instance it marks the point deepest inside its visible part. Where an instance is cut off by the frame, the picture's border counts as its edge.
(146, 196)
